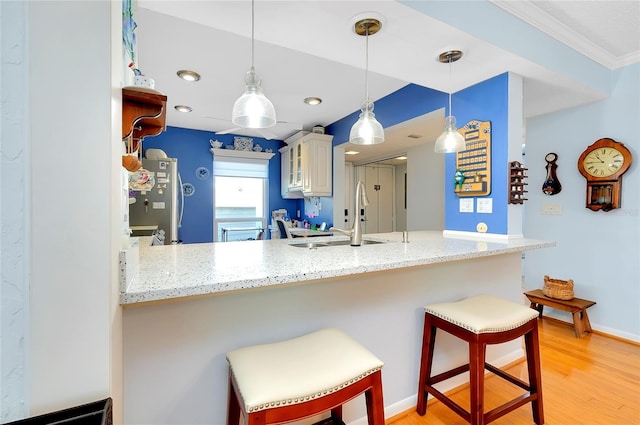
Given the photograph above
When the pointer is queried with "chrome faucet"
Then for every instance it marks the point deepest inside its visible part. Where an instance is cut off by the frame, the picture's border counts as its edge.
(356, 230)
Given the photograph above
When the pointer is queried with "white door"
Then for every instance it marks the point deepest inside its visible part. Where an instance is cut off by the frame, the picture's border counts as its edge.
(379, 185)
(386, 200)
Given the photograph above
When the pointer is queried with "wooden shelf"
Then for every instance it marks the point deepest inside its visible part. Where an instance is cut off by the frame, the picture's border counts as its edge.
(517, 176)
(144, 113)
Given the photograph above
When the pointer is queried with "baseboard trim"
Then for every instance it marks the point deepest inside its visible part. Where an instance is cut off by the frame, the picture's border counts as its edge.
(631, 339)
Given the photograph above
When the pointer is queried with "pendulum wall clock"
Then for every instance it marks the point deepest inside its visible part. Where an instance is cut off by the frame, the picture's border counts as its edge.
(603, 164)
(551, 185)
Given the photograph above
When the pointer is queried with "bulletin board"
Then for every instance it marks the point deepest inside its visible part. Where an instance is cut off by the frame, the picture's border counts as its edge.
(475, 161)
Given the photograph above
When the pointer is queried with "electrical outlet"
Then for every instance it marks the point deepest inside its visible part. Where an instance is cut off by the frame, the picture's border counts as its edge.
(482, 227)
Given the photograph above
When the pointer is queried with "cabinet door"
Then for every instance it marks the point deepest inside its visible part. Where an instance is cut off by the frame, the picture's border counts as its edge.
(316, 165)
(286, 176)
(316, 168)
(296, 171)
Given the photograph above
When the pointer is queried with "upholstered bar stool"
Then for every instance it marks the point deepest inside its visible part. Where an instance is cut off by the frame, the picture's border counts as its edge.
(302, 377)
(481, 320)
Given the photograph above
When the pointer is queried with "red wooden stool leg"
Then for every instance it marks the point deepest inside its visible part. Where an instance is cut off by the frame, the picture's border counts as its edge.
(233, 406)
(531, 341)
(477, 353)
(375, 403)
(428, 345)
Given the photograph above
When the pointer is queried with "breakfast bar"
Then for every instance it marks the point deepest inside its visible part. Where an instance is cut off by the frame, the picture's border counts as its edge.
(186, 306)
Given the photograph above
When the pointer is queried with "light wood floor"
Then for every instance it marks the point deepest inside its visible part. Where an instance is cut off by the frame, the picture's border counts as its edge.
(594, 380)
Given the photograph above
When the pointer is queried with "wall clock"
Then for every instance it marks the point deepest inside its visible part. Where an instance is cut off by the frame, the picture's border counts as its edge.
(603, 164)
(551, 185)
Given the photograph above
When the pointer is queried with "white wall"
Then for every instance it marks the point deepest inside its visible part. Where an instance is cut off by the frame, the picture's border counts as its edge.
(66, 235)
(425, 189)
(599, 250)
(14, 236)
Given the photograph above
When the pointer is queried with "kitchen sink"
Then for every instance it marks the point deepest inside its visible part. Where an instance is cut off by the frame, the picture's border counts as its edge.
(313, 245)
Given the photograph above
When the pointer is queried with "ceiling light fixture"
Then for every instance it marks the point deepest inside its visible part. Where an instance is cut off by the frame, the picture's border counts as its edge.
(253, 109)
(367, 130)
(183, 108)
(312, 100)
(187, 75)
(450, 140)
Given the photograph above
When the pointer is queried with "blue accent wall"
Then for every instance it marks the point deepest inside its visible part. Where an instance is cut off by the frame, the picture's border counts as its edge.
(486, 101)
(191, 147)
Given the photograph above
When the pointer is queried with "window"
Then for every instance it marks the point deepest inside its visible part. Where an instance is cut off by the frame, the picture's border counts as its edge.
(240, 193)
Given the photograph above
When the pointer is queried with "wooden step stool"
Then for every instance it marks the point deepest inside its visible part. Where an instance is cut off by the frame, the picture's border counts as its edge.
(576, 306)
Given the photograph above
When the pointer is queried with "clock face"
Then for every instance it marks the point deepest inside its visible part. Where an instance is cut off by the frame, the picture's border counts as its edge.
(603, 162)
(550, 157)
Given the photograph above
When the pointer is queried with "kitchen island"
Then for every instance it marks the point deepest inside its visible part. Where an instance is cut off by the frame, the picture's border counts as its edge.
(189, 304)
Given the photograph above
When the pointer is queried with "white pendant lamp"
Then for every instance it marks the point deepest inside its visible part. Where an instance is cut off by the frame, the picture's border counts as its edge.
(367, 130)
(450, 140)
(253, 109)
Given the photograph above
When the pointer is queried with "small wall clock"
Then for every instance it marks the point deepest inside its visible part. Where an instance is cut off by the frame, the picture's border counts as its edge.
(603, 164)
(551, 185)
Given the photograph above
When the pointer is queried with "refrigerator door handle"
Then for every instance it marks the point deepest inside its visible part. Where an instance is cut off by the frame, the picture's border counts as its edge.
(181, 201)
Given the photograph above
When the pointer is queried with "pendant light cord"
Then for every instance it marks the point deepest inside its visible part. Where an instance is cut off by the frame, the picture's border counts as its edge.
(450, 87)
(366, 67)
(252, 30)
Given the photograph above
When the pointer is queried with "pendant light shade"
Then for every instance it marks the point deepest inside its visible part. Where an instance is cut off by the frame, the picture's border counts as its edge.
(253, 109)
(450, 140)
(367, 130)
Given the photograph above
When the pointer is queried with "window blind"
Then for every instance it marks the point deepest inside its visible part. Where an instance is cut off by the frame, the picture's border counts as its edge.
(240, 167)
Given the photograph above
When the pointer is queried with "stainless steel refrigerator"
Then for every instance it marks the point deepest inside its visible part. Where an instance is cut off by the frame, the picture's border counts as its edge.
(159, 208)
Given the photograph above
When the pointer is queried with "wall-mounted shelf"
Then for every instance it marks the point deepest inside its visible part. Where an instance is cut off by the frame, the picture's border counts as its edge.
(144, 113)
(517, 176)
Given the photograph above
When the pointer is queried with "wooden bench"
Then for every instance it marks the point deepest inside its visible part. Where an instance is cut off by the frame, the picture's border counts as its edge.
(577, 307)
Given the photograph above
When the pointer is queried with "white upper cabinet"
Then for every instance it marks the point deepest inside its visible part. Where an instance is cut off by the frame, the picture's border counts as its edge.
(306, 165)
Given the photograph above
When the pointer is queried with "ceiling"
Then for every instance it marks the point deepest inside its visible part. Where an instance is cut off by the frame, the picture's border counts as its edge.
(308, 48)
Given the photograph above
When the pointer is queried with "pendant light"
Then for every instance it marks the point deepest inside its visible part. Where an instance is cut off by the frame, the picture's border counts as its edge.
(367, 130)
(450, 140)
(253, 109)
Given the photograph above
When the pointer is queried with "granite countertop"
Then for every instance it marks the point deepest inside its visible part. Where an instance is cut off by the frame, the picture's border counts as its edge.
(176, 271)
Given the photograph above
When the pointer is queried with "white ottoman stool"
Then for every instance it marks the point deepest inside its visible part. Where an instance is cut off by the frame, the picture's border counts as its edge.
(481, 320)
(302, 377)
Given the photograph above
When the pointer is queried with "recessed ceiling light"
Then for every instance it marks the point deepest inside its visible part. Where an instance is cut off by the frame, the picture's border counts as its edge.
(351, 153)
(401, 158)
(183, 108)
(312, 100)
(188, 75)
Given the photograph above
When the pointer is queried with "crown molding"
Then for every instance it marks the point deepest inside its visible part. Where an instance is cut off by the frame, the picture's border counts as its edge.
(532, 15)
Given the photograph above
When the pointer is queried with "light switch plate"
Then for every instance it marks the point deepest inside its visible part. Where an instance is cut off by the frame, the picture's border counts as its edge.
(551, 209)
